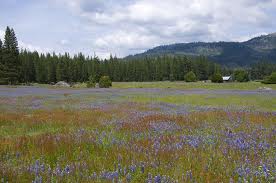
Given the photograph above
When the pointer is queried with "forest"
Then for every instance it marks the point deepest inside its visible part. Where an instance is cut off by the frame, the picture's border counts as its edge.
(23, 66)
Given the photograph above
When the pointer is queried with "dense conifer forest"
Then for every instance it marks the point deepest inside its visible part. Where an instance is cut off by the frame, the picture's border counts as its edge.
(22, 66)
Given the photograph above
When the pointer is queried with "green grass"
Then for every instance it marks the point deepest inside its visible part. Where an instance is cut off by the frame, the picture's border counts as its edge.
(259, 102)
(175, 85)
(195, 85)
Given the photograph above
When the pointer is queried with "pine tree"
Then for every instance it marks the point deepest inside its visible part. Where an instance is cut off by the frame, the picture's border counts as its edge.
(10, 67)
(1, 62)
(51, 69)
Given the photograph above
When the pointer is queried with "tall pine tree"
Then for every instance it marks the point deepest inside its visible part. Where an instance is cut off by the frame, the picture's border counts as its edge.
(10, 67)
(1, 61)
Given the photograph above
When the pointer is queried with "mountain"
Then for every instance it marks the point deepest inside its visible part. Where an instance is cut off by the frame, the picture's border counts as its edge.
(225, 53)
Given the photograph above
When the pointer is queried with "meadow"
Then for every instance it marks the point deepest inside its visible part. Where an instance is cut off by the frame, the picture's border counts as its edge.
(194, 85)
(138, 132)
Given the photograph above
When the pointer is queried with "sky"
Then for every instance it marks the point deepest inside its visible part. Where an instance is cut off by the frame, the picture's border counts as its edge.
(124, 27)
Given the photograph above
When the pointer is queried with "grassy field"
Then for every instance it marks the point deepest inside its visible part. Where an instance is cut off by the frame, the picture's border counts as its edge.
(137, 135)
(180, 85)
(196, 85)
(253, 102)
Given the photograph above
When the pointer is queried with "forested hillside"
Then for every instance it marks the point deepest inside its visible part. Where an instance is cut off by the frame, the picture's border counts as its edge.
(231, 54)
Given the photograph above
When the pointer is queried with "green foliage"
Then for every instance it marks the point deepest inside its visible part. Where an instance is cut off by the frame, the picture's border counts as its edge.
(270, 79)
(92, 82)
(217, 78)
(49, 68)
(172, 79)
(241, 76)
(105, 82)
(1, 62)
(262, 69)
(190, 77)
(9, 62)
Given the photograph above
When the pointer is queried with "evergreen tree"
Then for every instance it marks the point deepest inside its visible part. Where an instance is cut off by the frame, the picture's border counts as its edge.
(241, 76)
(1, 62)
(51, 69)
(10, 67)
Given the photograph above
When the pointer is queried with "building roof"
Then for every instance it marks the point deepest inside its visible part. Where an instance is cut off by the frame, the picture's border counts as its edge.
(226, 78)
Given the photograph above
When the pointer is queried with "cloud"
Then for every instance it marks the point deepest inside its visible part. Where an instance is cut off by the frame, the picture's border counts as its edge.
(123, 42)
(2, 34)
(143, 24)
(125, 27)
(64, 42)
(27, 46)
(31, 47)
(248, 37)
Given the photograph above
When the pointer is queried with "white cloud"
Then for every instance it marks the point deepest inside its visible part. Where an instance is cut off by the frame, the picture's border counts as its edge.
(143, 24)
(248, 37)
(124, 27)
(64, 42)
(2, 34)
(122, 42)
(27, 46)
(31, 47)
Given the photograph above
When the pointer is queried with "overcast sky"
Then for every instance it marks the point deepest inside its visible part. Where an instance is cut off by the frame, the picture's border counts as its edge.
(124, 27)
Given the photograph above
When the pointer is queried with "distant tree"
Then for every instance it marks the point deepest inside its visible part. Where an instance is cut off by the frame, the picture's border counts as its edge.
(51, 69)
(270, 79)
(105, 82)
(190, 77)
(241, 76)
(61, 70)
(172, 78)
(91, 83)
(202, 68)
(1, 51)
(1, 63)
(217, 78)
(261, 69)
(27, 67)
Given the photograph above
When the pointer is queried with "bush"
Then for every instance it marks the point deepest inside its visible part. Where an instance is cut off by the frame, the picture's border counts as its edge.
(217, 78)
(270, 79)
(105, 82)
(241, 76)
(91, 83)
(190, 77)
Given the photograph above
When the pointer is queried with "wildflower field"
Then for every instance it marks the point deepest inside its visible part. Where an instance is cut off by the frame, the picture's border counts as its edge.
(153, 135)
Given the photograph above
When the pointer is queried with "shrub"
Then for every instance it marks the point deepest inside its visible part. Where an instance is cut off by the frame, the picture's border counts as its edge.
(241, 76)
(190, 77)
(270, 79)
(217, 78)
(105, 82)
(91, 83)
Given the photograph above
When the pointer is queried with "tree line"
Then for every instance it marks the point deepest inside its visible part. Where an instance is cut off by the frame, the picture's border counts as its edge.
(47, 68)
(26, 67)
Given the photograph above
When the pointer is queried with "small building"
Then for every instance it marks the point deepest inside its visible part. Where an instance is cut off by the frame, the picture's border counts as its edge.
(227, 78)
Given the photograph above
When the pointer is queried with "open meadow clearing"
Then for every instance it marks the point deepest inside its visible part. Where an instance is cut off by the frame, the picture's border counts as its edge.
(135, 133)
(137, 91)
